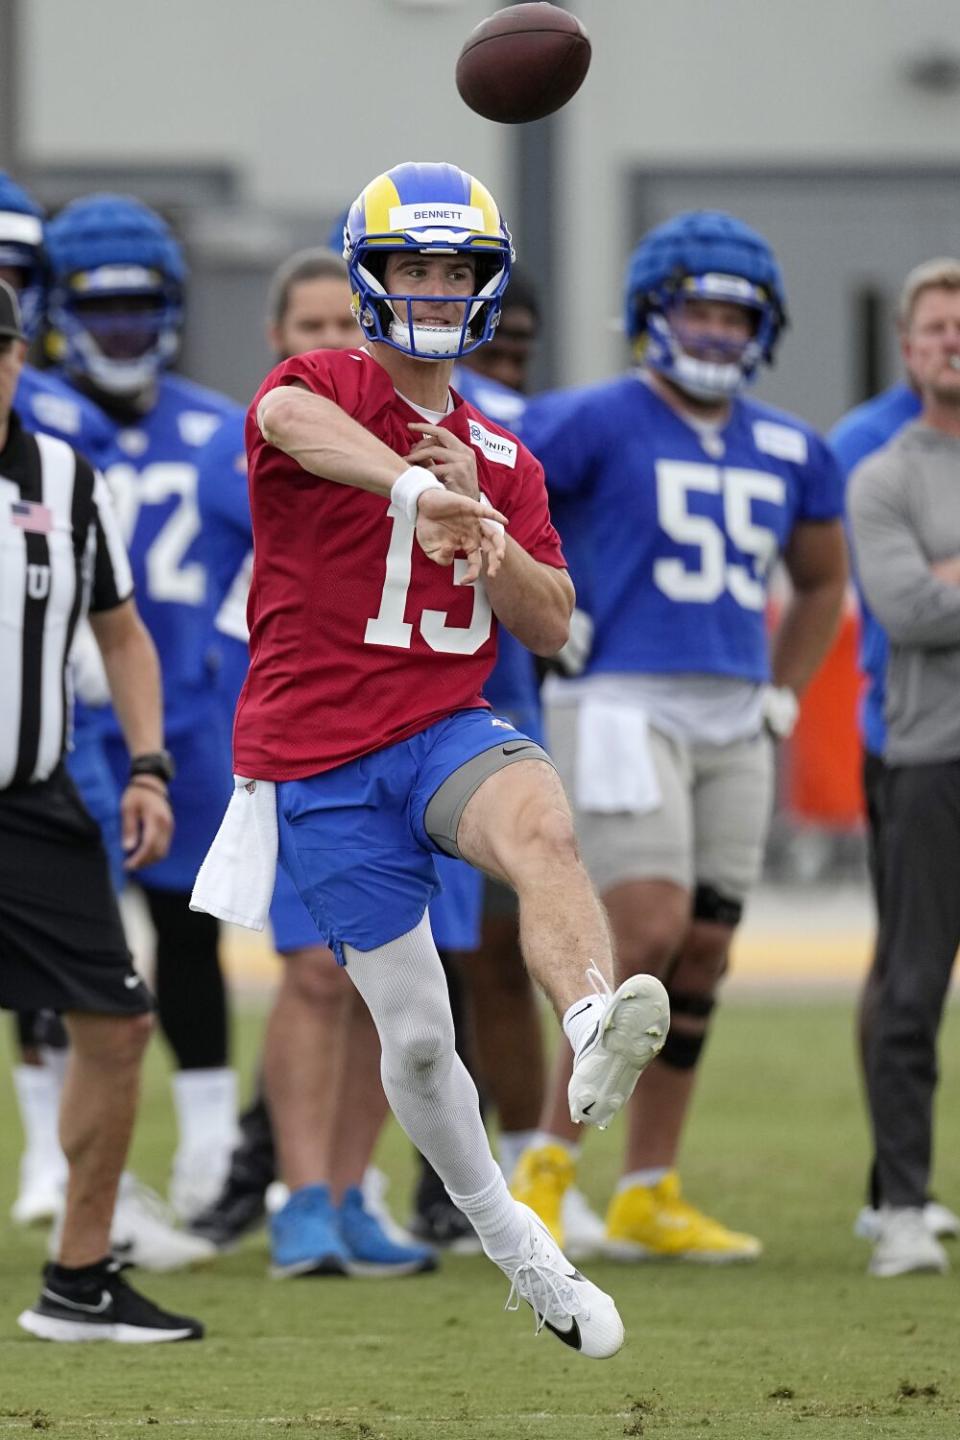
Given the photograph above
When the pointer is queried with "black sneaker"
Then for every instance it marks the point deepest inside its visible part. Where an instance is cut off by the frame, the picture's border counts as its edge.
(101, 1306)
(442, 1225)
(237, 1210)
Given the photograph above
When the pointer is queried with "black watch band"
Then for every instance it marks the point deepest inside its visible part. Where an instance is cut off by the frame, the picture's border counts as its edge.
(158, 763)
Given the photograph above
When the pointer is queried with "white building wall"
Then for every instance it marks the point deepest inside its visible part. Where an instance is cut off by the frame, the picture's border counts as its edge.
(309, 98)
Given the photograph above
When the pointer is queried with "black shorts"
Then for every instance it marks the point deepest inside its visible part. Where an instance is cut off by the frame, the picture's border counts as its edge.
(62, 945)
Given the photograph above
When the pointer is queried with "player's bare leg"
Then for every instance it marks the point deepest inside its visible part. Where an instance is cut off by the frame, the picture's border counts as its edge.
(517, 826)
(302, 1062)
(507, 1031)
(361, 1106)
(97, 1111)
(647, 1215)
(648, 919)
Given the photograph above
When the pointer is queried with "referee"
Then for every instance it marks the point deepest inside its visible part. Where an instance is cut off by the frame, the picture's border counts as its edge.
(62, 945)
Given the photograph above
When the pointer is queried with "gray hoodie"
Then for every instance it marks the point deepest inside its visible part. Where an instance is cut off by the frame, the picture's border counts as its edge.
(904, 505)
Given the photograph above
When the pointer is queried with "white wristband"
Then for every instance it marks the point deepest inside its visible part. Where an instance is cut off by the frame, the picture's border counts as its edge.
(781, 709)
(492, 527)
(408, 487)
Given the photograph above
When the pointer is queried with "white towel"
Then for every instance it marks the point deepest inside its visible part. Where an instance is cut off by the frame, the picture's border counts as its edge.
(615, 771)
(236, 880)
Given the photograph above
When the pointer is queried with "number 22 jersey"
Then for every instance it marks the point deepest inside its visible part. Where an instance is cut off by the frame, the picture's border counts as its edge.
(673, 529)
(357, 639)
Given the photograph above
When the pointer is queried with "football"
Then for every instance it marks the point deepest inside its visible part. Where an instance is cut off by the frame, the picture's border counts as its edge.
(523, 63)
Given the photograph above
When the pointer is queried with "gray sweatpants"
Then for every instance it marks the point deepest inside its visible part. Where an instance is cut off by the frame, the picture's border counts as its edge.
(918, 941)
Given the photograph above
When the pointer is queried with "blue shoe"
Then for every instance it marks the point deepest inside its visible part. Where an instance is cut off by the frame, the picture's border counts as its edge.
(305, 1237)
(370, 1251)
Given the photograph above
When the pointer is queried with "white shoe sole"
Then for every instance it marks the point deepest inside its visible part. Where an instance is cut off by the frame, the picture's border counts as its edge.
(47, 1327)
(632, 1032)
(38, 1211)
(630, 1253)
(886, 1270)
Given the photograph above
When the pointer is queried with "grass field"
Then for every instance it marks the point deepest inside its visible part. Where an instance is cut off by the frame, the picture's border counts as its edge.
(801, 1344)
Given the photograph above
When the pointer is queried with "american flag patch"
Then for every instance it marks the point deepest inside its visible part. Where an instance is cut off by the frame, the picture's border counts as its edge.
(31, 516)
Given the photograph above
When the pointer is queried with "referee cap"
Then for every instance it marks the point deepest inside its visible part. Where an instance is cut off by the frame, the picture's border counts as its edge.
(11, 326)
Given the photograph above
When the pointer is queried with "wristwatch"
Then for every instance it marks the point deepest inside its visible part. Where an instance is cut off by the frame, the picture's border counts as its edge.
(156, 762)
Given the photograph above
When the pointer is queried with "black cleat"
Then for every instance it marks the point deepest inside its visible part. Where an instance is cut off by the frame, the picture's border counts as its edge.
(237, 1211)
(442, 1225)
(102, 1306)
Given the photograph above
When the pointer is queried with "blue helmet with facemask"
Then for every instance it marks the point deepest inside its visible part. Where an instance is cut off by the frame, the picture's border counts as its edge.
(707, 255)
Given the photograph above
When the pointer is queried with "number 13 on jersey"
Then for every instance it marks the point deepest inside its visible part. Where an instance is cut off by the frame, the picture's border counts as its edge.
(390, 627)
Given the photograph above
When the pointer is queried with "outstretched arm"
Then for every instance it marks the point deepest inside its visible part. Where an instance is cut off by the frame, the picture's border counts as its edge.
(328, 442)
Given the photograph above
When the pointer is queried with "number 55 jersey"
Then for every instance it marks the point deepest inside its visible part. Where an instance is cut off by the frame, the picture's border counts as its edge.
(357, 639)
(672, 527)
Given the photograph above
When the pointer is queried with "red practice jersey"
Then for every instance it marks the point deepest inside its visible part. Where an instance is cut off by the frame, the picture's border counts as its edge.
(357, 640)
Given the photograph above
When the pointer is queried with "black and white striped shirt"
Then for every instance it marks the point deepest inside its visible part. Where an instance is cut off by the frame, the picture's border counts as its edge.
(61, 555)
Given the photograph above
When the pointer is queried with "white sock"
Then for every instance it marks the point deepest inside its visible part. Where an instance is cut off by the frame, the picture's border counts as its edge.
(646, 1178)
(502, 1226)
(206, 1106)
(511, 1146)
(581, 1020)
(38, 1099)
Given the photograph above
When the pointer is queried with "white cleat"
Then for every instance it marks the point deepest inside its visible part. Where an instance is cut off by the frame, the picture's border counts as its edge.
(584, 1232)
(942, 1223)
(144, 1232)
(565, 1302)
(905, 1245)
(42, 1186)
(630, 1033)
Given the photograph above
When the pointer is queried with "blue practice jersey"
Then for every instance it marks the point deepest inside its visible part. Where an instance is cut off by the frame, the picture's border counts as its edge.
(227, 550)
(856, 436)
(152, 471)
(683, 528)
(46, 405)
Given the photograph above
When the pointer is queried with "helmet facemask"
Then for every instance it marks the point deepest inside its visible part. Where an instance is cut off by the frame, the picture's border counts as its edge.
(119, 336)
(669, 347)
(380, 313)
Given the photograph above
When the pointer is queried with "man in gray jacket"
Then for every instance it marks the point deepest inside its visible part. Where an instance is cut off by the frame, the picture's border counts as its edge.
(905, 519)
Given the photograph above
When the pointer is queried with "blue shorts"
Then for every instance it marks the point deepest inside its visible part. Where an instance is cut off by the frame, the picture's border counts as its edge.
(353, 839)
(455, 913)
(294, 928)
(91, 773)
(199, 794)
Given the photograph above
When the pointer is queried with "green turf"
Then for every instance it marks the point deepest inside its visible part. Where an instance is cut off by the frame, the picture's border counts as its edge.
(802, 1344)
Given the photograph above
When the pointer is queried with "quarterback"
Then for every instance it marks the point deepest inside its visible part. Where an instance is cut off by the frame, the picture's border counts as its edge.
(362, 744)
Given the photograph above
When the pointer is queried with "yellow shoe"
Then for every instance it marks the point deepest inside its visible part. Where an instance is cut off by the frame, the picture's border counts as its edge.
(654, 1222)
(543, 1175)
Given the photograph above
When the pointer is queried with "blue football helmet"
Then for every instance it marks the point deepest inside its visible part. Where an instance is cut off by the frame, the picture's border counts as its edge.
(426, 209)
(21, 249)
(703, 254)
(116, 298)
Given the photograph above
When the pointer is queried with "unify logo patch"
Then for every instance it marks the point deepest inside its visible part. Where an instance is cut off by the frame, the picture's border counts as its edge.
(495, 447)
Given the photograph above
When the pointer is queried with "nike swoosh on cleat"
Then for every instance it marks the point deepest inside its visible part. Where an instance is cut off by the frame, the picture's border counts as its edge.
(582, 1010)
(102, 1304)
(569, 1337)
(587, 1108)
